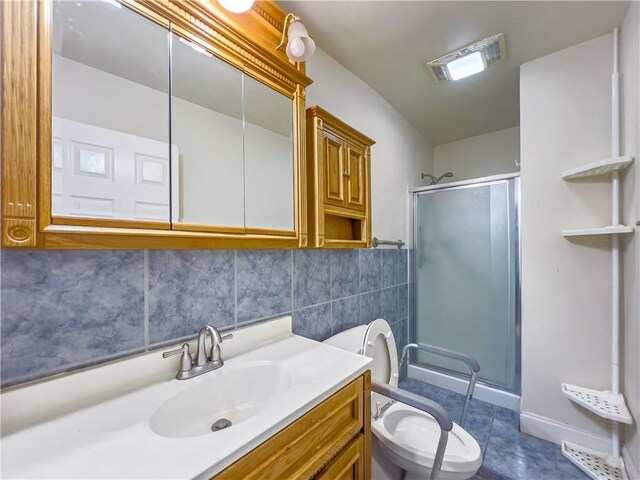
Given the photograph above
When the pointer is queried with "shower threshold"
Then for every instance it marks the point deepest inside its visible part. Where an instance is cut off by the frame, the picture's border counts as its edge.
(482, 392)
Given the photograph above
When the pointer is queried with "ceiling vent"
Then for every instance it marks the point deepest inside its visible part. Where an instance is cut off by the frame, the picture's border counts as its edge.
(468, 60)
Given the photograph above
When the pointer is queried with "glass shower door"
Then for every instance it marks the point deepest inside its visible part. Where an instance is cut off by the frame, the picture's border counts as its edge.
(465, 272)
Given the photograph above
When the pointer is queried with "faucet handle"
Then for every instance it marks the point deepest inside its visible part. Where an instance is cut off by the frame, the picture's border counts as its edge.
(226, 337)
(186, 362)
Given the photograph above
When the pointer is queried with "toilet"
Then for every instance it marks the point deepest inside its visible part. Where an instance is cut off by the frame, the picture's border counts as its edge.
(406, 435)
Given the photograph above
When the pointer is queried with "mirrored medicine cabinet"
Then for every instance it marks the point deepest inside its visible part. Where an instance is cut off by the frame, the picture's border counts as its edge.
(151, 125)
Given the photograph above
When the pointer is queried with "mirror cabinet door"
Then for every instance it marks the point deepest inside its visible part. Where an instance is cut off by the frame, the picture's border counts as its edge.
(268, 156)
(206, 131)
(148, 126)
(110, 108)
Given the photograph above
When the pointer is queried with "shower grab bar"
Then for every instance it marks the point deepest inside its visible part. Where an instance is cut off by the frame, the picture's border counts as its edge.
(434, 409)
(375, 242)
(471, 362)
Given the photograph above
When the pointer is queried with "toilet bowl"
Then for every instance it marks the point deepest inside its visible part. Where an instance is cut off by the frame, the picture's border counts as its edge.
(408, 436)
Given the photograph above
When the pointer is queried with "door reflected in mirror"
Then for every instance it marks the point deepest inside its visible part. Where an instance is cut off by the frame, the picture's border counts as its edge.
(110, 103)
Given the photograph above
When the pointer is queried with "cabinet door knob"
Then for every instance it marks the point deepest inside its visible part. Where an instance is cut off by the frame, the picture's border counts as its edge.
(347, 174)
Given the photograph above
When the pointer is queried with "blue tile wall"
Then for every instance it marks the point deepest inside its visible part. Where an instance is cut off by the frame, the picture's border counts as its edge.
(264, 283)
(344, 266)
(63, 310)
(311, 278)
(370, 270)
(66, 308)
(188, 289)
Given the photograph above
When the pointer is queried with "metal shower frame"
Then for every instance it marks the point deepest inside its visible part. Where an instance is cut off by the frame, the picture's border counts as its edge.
(415, 192)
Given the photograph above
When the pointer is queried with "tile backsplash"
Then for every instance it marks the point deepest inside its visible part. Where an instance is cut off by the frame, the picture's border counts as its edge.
(62, 310)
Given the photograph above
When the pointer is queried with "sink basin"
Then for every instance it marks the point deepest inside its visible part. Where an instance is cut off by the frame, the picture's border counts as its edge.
(234, 392)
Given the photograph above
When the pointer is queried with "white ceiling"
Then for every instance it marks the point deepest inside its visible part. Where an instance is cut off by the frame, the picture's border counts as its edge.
(387, 44)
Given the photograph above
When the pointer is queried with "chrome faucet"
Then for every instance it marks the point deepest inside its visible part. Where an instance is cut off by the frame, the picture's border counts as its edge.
(381, 410)
(204, 362)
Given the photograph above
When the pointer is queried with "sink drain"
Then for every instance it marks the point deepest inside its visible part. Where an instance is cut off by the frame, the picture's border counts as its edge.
(220, 424)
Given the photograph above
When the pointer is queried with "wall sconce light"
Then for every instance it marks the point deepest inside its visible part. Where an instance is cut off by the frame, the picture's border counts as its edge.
(300, 46)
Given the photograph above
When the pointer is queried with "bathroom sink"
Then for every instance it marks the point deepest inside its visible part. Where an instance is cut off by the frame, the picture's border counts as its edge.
(228, 396)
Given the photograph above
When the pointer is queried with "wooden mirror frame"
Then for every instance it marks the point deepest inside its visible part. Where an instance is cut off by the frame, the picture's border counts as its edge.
(247, 41)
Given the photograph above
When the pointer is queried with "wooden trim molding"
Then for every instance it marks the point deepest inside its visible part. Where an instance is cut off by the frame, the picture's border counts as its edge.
(247, 41)
(19, 124)
(108, 223)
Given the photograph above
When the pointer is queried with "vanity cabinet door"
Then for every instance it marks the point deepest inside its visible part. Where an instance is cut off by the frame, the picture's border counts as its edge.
(348, 465)
(334, 170)
(110, 117)
(355, 176)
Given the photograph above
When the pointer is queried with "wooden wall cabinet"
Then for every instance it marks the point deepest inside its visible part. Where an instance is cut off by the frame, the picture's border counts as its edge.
(339, 176)
(246, 42)
(331, 441)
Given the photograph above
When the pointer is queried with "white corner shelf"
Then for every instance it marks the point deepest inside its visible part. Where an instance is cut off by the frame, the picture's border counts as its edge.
(598, 465)
(601, 167)
(604, 403)
(587, 232)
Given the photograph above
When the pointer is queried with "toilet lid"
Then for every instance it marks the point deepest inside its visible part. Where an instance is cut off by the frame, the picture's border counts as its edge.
(380, 345)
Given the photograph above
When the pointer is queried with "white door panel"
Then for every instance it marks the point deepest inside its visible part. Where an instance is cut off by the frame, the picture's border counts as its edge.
(102, 173)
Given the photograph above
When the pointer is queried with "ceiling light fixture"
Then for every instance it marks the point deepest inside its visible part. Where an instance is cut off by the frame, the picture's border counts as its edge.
(300, 46)
(236, 6)
(468, 60)
(466, 66)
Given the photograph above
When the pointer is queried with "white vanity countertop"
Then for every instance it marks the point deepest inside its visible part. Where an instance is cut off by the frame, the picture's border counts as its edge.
(113, 439)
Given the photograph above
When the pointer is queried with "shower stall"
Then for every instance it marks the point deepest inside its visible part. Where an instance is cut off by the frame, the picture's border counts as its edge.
(465, 292)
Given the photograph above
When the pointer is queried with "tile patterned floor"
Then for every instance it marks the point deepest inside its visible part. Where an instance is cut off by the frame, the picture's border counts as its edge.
(508, 453)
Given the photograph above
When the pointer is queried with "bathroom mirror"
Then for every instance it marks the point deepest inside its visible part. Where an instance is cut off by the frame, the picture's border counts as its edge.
(207, 130)
(230, 165)
(233, 145)
(110, 114)
(268, 156)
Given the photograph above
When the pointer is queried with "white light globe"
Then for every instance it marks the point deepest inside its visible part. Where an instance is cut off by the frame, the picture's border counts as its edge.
(296, 47)
(236, 6)
(301, 46)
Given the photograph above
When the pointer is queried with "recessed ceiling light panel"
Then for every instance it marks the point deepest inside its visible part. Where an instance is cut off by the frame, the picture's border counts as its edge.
(468, 60)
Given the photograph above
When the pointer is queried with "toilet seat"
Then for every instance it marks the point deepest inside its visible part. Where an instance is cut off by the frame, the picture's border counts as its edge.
(380, 345)
(410, 438)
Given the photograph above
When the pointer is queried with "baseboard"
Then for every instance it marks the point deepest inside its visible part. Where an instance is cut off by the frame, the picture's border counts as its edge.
(632, 469)
(481, 392)
(556, 432)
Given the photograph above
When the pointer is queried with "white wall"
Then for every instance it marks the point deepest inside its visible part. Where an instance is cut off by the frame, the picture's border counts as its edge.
(565, 121)
(481, 156)
(400, 152)
(630, 58)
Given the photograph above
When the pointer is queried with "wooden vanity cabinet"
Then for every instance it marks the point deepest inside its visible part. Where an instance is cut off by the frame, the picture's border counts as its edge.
(349, 464)
(332, 441)
(339, 176)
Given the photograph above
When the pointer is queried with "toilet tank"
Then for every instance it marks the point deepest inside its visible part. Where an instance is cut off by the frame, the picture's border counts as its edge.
(384, 368)
(350, 340)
